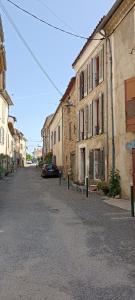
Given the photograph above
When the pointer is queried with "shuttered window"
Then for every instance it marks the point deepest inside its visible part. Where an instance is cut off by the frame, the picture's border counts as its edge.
(101, 65)
(90, 76)
(81, 124)
(91, 164)
(78, 126)
(130, 104)
(97, 164)
(58, 133)
(81, 85)
(101, 113)
(90, 120)
(2, 136)
(85, 82)
(86, 122)
(96, 71)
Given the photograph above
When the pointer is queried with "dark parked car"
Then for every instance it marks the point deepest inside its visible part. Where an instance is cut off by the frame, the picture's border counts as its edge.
(49, 170)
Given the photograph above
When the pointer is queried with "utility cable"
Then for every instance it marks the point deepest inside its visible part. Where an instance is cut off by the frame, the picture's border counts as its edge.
(29, 49)
(49, 24)
(43, 2)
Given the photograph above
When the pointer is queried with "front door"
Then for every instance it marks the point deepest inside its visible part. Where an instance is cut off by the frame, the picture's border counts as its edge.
(133, 155)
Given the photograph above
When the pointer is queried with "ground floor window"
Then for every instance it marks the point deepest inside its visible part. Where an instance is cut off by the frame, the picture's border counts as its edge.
(97, 164)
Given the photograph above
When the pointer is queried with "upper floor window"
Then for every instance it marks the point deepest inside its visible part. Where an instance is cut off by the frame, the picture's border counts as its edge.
(3, 112)
(55, 137)
(90, 120)
(82, 85)
(70, 133)
(2, 135)
(92, 75)
(58, 133)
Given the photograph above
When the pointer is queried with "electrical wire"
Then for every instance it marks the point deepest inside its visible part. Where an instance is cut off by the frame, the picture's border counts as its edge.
(29, 49)
(42, 2)
(49, 24)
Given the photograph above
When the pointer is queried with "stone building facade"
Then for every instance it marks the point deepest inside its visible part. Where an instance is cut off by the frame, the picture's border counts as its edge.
(56, 141)
(119, 29)
(90, 67)
(69, 130)
(45, 134)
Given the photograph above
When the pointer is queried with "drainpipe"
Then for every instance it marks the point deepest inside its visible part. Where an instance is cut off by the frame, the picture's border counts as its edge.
(112, 108)
(108, 42)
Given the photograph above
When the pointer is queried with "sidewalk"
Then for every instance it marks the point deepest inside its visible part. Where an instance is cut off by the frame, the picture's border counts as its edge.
(121, 203)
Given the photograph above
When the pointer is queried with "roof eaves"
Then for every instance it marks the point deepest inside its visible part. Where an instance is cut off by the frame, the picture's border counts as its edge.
(88, 41)
(110, 13)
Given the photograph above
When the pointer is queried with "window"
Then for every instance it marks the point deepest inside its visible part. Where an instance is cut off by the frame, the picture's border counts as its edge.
(96, 71)
(90, 76)
(86, 122)
(55, 137)
(97, 164)
(98, 68)
(2, 135)
(3, 112)
(70, 133)
(130, 104)
(52, 140)
(81, 85)
(81, 124)
(98, 115)
(58, 133)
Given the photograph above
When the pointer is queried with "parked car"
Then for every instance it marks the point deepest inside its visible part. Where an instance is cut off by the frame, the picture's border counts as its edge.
(49, 170)
(29, 162)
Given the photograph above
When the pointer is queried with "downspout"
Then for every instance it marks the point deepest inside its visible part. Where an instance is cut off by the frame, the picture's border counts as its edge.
(112, 107)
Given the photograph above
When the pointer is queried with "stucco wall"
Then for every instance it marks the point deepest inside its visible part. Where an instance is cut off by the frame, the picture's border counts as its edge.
(122, 40)
(57, 148)
(3, 147)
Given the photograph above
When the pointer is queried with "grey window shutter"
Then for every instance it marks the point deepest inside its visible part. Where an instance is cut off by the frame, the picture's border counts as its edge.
(92, 117)
(91, 164)
(101, 65)
(90, 76)
(101, 113)
(102, 164)
(85, 82)
(90, 120)
(86, 122)
(78, 126)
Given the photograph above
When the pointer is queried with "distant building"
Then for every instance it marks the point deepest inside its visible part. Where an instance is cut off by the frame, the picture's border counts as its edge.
(37, 153)
(69, 129)
(45, 134)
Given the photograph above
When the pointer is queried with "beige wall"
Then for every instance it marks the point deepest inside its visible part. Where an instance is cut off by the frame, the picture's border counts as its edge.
(122, 41)
(57, 147)
(3, 123)
(97, 141)
(69, 142)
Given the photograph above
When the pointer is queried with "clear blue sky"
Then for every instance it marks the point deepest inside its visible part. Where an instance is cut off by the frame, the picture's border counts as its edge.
(33, 95)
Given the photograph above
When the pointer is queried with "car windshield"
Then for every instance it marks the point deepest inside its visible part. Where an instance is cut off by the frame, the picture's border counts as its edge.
(49, 167)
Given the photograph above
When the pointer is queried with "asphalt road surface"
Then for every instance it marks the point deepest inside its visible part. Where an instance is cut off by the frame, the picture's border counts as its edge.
(56, 244)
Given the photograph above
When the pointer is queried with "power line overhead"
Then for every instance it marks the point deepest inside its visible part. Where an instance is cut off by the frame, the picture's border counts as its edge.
(49, 24)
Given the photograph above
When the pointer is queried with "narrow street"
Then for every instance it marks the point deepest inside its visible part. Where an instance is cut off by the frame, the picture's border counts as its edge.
(57, 245)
